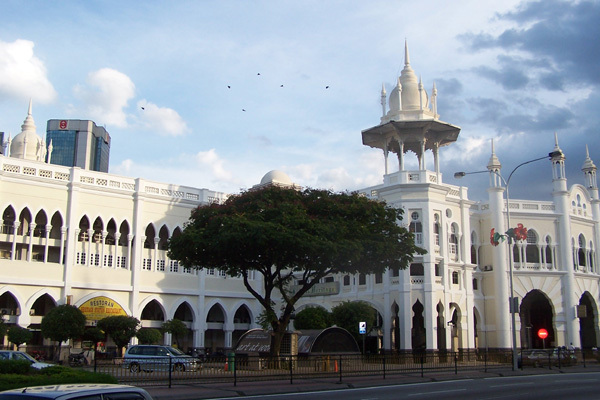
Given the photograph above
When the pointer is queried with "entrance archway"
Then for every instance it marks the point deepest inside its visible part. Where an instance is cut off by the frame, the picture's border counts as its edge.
(418, 332)
(588, 325)
(536, 312)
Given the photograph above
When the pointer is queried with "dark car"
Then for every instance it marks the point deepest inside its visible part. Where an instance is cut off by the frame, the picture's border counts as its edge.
(158, 358)
(87, 391)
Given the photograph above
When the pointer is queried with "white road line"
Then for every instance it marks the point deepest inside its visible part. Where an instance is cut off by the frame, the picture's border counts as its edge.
(513, 384)
(436, 392)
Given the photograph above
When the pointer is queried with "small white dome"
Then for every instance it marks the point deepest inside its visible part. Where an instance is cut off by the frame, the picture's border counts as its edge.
(276, 177)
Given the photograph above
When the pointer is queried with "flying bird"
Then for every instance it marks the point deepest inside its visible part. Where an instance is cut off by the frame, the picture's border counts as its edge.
(258, 73)
(228, 87)
(243, 109)
(326, 87)
(143, 108)
(281, 86)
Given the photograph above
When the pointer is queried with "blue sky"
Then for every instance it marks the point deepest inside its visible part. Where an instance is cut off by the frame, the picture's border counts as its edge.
(516, 72)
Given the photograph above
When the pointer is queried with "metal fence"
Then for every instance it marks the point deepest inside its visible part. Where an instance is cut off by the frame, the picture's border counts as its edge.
(236, 368)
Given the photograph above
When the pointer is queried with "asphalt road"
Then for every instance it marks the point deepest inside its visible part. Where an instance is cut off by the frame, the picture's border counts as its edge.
(543, 387)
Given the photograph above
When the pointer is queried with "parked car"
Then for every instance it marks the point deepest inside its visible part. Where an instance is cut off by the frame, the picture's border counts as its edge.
(158, 358)
(22, 356)
(540, 357)
(85, 391)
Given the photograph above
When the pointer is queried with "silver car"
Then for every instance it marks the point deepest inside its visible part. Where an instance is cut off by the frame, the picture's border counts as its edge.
(88, 391)
(158, 358)
(22, 356)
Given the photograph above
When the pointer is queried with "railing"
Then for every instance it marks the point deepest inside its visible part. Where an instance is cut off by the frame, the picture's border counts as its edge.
(242, 367)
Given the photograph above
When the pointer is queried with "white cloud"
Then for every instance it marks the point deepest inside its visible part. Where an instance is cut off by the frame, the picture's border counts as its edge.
(105, 96)
(211, 160)
(22, 74)
(162, 120)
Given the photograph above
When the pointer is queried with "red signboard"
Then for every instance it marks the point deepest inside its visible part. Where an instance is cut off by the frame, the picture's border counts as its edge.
(62, 124)
(542, 333)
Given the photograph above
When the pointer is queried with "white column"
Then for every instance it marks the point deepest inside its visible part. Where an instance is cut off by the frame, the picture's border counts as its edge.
(48, 228)
(14, 242)
(88, 256)
(116, 254)
(30, 245)
(104, 234)
(63, 233)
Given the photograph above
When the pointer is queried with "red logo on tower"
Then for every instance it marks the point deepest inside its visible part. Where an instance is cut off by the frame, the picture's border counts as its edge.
(62, 124)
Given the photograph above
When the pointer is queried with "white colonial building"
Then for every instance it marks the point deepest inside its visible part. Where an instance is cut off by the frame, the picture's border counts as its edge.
(99, 241)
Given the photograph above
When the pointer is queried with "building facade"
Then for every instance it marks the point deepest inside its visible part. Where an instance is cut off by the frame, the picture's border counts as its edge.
(78, 143)
(99, 241)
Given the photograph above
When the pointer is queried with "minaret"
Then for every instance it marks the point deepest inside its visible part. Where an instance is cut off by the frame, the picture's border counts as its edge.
(500, 254)
(50, 148)
(562, 206)
(383, 100)
(589, 172)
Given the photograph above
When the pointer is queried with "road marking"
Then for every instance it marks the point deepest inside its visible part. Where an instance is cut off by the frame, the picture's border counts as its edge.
(436, 392)
(513, 384)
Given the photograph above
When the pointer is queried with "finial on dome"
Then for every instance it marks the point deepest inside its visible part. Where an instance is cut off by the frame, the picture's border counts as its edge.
(406, 57)
(30, 106)
(494, 163)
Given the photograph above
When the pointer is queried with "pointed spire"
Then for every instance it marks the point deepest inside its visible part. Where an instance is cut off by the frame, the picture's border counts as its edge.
(383, 100)
(406, 57)
(494, 163)
(559, 155)
(588, 164)
(28, 124)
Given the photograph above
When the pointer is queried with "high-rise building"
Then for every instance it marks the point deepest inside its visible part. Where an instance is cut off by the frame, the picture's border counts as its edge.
(78, 143)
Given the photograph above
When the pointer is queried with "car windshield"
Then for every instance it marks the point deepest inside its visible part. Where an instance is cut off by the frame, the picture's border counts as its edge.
(17, 355)
(175, 352)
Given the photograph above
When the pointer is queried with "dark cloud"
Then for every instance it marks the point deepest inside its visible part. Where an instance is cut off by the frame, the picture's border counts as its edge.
(563, 32)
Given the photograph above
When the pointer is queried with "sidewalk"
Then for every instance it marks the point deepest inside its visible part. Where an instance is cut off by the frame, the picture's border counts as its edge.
(219, 390)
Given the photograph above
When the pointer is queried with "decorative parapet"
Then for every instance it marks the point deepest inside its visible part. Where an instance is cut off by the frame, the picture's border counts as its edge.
(102, 181)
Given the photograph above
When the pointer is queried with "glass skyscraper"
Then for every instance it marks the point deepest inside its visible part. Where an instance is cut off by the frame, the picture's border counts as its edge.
(78, 143)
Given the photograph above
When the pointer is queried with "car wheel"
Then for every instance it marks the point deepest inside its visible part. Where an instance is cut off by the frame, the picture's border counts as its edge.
(179, 367)
(135, 368)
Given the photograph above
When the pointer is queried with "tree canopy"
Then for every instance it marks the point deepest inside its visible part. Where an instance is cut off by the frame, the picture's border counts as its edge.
(315, 317)
(293, 236)
(348, 314)
(121, 328)
(19, 335)
(62, 323)
(176, 328)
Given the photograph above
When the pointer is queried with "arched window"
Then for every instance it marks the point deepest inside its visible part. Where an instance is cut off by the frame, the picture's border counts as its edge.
(416, 227)
(346, 280)
(453, 242)
(362, 279)
(548, 251)
(455, 278)
(581, 258)
(474, 259)
(417, 269)
(532, 253)
(436, 229)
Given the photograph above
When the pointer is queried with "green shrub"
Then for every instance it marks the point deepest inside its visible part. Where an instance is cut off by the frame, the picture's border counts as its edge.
(54, 375)
(14, 367)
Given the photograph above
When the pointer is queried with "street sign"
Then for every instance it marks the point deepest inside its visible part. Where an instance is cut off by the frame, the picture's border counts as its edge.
(362, 328)
(542, 333)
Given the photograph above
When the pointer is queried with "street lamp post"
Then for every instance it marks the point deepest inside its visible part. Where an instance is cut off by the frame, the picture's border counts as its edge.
(513, 302)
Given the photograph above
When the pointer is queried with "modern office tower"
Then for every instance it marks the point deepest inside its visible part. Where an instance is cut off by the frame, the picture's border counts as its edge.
(78, 143)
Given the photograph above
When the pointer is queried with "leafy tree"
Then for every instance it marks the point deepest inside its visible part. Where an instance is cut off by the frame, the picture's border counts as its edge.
(289, 235)
(348, 314)
(19, 335)
(62, 323)
(176, 328)
(149, 336)
(312, 318)
(121, 328)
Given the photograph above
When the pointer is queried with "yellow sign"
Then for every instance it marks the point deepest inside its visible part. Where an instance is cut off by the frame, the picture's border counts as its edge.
(101, 307)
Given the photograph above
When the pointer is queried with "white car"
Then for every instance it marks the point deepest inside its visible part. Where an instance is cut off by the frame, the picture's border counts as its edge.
(84, 391)
(22, 356)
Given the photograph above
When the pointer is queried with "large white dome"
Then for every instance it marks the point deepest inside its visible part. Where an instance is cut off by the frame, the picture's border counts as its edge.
(276, 177)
